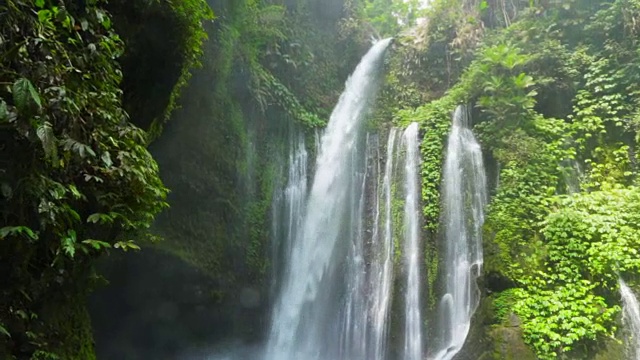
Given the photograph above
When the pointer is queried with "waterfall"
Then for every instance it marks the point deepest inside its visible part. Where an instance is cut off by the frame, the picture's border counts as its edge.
(631, 317)
(464, 198)
(288, 203)
(382, 269)
(412, 253)
(307, 312)
(366, 319)
(354, 319)
(365, 322)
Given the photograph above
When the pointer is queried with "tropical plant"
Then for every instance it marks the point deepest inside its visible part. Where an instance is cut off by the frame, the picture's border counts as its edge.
(75, 175)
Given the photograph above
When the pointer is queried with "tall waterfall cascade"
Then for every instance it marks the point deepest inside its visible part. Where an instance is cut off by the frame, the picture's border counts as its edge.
(307, 315)
(631, 318)
(413, 318)
(464, 194)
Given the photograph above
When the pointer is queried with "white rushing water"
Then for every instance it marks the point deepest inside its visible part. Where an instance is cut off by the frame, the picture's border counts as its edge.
(464, 197)
(412, 253)
(631, 318)
(382, 269)
(305, 317)
(370, 276)
(354, 316)
(289, 203)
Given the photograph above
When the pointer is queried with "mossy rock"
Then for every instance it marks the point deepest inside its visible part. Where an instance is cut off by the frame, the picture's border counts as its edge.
(508, 343)
(488, 340)
(72, 325)
(612, 351)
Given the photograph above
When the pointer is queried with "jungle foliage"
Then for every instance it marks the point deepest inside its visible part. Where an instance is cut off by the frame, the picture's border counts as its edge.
(163, 41)
(77, 180)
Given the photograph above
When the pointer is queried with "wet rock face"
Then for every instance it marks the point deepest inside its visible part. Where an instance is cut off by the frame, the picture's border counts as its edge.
(508, 343)
(490, 341)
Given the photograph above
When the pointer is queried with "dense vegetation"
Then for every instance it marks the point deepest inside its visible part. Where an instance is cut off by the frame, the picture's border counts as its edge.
(76, 177)
(555, 97)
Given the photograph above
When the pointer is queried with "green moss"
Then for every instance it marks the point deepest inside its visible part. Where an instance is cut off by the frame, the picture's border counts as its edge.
(190, 15)
(397, 221)
(432, 261)
(71, 324)
(258, 222)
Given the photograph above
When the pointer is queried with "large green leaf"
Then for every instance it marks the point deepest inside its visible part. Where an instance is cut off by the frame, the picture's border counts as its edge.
(100, 218)
(25, 95)
(48, 139)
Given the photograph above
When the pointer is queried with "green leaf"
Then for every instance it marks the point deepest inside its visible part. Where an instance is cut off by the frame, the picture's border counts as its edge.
(106, 23)
(6, 190)
(126, 245)
(17, 230)
(39, 4)
(25, 95)
(48, 140)
(75, 192)
(78, 147)
(99, 218)
(22, 314)
(44, 15)
(88, 178)
(106, 158)
(97, 244)
(4, 112)
(4, 331)
(69, 243)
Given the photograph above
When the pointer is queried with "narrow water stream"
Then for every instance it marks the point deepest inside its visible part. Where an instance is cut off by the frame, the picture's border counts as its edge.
(412, 248)
(464, 193)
